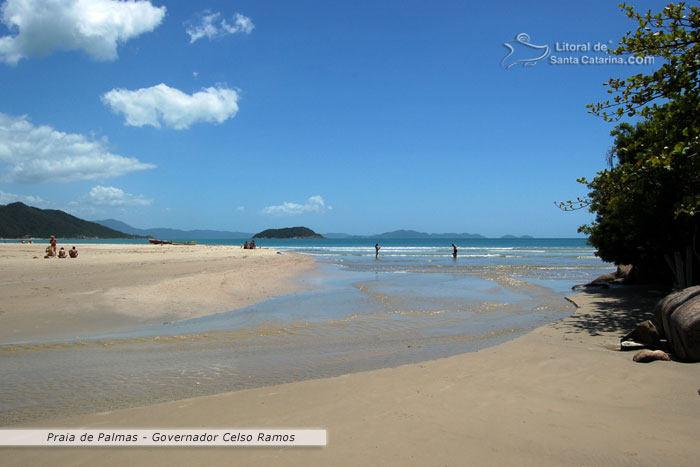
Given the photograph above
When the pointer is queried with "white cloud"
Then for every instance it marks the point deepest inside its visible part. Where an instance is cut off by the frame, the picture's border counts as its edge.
(7, 198)
(111, 196)
(313, 204)
(37, 154)
(93, 26)
(171, 107)
(211, 26)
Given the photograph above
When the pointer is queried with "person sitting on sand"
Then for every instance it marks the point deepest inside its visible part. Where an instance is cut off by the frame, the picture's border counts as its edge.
(50, 252)
(62, 253)
(73, 253)
(252, 244)
(245, 246)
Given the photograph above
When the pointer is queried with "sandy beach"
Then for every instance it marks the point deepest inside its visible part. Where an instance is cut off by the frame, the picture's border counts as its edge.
(111, 286)
(560, 395)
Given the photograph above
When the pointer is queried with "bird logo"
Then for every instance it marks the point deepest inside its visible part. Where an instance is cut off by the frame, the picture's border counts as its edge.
(521, 47)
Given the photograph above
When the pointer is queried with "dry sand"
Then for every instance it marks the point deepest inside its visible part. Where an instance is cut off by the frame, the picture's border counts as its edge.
(111, 287)
(560, 395)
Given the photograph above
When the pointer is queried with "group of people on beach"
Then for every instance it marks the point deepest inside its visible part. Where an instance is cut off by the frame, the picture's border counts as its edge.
(52, 252)
(249, 246)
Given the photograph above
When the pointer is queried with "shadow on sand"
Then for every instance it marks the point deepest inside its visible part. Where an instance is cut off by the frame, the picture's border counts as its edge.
(616, 310)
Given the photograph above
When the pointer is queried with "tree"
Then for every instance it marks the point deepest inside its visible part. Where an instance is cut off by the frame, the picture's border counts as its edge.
(646, 200)
(672, 35)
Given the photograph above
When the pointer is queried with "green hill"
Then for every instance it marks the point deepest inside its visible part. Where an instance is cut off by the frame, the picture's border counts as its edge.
(18, 220)
(288, 232)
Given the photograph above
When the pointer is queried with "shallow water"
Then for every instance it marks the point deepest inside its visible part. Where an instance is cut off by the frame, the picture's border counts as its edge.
(362, 314)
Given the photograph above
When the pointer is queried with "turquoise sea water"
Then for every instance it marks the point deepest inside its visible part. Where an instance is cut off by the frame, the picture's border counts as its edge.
(560, 261)
(412, 303)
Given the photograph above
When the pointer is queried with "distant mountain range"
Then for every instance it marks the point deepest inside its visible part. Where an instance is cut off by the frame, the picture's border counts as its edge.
(406, 234)
(414, 234)
(173, 234)
(18, 220)
(409, 234)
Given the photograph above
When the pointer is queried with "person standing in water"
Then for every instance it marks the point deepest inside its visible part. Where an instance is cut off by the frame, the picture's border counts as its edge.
(454, 250)
(376, 250)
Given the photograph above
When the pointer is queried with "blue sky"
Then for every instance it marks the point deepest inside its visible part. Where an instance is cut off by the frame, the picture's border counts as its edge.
(358, 117)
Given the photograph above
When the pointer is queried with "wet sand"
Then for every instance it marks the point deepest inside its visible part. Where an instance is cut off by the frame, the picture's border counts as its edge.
(560, 395)
(110, 287)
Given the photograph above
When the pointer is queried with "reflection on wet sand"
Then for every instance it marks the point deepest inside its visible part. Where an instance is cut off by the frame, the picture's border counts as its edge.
(357, 321)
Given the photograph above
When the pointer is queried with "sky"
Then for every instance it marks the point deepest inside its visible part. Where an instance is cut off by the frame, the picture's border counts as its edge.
(359, 116)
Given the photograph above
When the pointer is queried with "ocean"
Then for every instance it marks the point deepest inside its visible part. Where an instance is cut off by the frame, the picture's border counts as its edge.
(413, 302)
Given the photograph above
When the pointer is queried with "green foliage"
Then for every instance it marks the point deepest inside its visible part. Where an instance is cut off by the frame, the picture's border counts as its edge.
(646, 200)
(18, 220)
(643, 201)
(673, 36)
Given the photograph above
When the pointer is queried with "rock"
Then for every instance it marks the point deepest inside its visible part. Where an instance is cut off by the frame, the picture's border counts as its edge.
(601, 281)
(604, 279)
(624, 271)
(646, 356)
(590, 284)
(684, 334)
(644, 334)
(628, 275)
(678, 317)
(667, 305)
(623, 275)
(631, 345)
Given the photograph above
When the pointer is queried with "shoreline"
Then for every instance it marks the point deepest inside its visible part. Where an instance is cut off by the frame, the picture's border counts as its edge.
(559, 395)
(348, 322)
(112, 287)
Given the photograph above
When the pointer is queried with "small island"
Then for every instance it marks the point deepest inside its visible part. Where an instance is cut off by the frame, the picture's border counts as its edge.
(288, 232)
